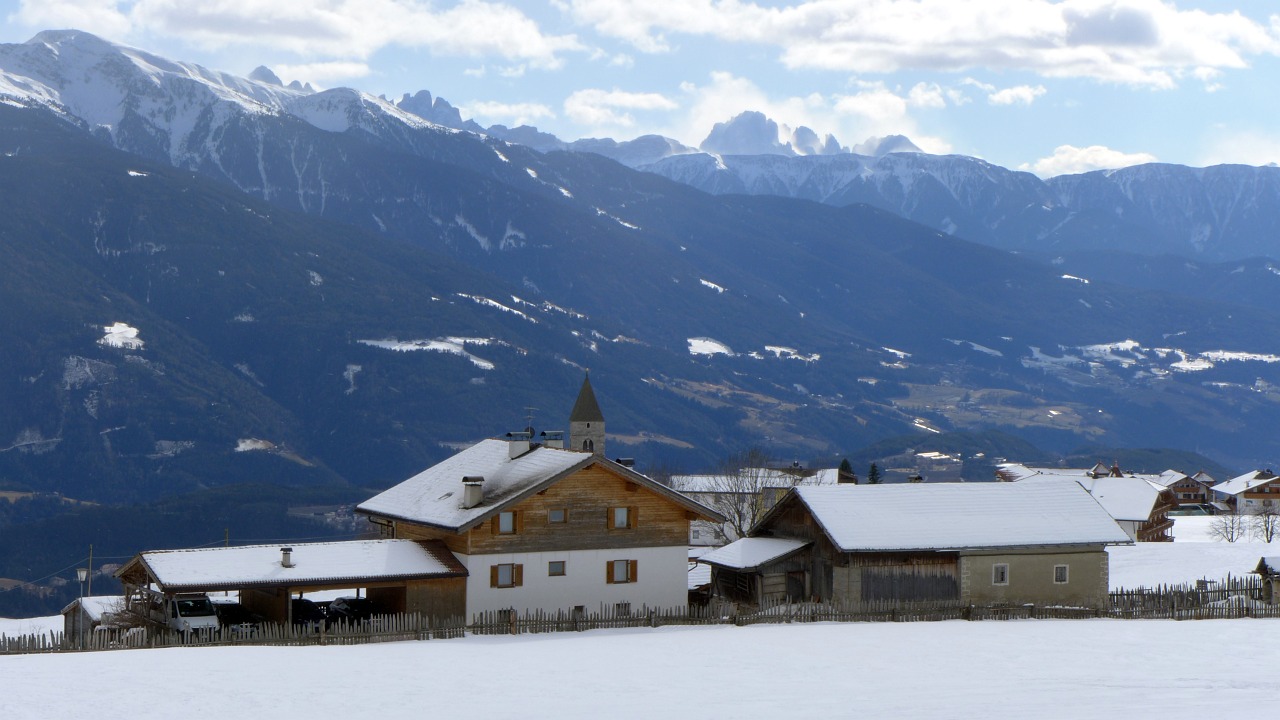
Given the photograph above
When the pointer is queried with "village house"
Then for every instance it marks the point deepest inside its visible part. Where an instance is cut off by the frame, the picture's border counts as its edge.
(1250, 493)
(1187, 489)
(743, 495)
(542, 527)
(988, 543)
(1138, 503)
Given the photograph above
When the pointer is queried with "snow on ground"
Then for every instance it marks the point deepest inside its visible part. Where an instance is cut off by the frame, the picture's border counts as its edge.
(1193, 555)
(30, 626)
(1081, 669)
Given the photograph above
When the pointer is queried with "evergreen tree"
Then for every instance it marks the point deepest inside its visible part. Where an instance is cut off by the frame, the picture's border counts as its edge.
(873, 475)
(845, 472)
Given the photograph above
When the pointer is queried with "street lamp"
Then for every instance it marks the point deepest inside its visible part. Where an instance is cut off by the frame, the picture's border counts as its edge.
(82, 574)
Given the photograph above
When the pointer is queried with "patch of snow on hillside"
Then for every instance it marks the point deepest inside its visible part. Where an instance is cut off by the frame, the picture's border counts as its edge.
(617, 219)
(924, 425)
(976, 347)
(350, 376)
(471, 230)
(138, 173)
(901, 355)
(481, 300)
(501, 157)
(1187, 364)
(1229, 356)
(869, 380)
(713, 286)
(244, 317)
(252, 444)
(532, 173)
(564, 191)
(707, 346)
(1126, 352)
(448, 345)
(511, 238)
(316, 279)
(548, 306)
(1077, 279)
(791, 353)
(120, 335)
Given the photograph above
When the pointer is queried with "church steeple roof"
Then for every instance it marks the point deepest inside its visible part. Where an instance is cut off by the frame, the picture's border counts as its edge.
(586, 409)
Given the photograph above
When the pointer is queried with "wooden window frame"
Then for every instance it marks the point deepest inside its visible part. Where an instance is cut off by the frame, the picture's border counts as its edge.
(517, 575)
(1066, 574)
(564, 516)
(551, 568)
(1000, 574)
(633, 572)
(517, 523)
(633, 517)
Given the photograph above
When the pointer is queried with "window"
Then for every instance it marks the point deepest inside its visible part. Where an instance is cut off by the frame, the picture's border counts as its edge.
(588, 446)
(1060, 574)
(621, 571)
(555, 568)
(507, 523)
(506, 575)
(1000, 574)
(557, 516)
(622, 518)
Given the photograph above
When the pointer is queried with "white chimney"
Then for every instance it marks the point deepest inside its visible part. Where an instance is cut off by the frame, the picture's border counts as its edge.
(472, 491)
(553, 439)
(286, 557)
(518, 443)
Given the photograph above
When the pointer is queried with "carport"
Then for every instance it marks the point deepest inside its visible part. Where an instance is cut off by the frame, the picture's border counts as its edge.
(404, 576)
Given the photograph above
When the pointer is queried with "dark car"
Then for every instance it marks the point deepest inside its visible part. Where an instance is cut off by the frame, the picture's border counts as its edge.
(238, 618)
(307, 613)
(353, 610)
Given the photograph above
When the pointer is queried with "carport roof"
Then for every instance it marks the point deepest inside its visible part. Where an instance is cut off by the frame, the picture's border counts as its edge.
(357, 562)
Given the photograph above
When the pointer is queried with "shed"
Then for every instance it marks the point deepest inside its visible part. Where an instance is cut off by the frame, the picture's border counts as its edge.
(89, 613)
(402, 575)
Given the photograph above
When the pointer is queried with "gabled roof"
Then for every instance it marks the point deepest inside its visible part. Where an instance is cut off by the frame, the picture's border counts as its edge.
(1267, 567)
(955, 516)
(752, 552)
(1247, 481)
(434, 496)
(356, 561)
(96, 606)
(1125, 498)
(586, 409)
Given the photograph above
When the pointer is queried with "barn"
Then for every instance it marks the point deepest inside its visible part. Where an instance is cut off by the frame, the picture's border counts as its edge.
(980, 543)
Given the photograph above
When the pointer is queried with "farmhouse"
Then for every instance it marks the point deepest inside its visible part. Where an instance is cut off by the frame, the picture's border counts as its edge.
(1250, 493)
(1139, 503)
(973, 543)
(743, 495)
(541, 527)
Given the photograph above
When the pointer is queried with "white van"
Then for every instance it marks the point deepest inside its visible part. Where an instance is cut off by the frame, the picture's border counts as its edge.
(188, 613)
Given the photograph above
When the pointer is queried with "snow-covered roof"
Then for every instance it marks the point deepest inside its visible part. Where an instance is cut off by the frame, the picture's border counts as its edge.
(1170, 477)
(354, 561)
(434, 496)
(1241, 483)
(97, 605)
(1125, 498)
(750, 553)
(1268, 566)
(957, 516)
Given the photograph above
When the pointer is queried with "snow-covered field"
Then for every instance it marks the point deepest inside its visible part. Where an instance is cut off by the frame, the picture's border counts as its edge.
(1014, 669)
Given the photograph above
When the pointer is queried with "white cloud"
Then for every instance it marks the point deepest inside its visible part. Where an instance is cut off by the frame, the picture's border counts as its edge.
(608, 108)
(341, 29)
(926, 95)
(1242, 147)
(1068, 160)
(1137, 42)
(1019, 95)
(512, 114)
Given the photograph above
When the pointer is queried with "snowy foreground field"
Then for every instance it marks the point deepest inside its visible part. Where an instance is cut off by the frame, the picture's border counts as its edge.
(1014, 669)
(1024, 669)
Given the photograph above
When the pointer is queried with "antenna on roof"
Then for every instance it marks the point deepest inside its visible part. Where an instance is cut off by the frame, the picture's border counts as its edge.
(529, 411)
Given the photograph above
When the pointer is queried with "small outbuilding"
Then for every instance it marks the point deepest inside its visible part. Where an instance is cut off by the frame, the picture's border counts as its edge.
(401, 575)
(87, 614)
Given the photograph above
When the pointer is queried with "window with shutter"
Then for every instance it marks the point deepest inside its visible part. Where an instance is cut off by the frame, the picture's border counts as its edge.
(506, 575)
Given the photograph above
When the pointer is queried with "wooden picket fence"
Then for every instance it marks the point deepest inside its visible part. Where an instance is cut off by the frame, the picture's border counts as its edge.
(1234, 597)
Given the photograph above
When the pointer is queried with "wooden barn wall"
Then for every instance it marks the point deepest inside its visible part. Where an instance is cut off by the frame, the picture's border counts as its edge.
(897, 576)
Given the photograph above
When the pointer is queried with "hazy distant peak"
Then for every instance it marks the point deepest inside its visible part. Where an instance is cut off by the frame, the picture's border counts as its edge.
(878, 146)
(749, 133)
(263, 74)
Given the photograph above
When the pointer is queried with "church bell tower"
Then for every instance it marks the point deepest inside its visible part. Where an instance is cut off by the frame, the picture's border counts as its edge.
(586, 422)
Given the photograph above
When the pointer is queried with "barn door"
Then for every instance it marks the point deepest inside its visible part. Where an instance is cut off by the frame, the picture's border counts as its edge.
(795, 586)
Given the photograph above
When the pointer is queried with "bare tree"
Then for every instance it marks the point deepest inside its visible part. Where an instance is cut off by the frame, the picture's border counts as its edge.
(1266, 521)
(1229, 526)
(737, 491)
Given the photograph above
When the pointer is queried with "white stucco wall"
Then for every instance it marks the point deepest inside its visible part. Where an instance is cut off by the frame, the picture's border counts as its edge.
(662, 580)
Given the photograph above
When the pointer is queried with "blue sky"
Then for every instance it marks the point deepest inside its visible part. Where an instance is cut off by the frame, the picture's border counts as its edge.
(1050, 86)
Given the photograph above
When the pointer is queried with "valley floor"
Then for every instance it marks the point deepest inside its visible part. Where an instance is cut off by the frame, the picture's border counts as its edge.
(1078, 669)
